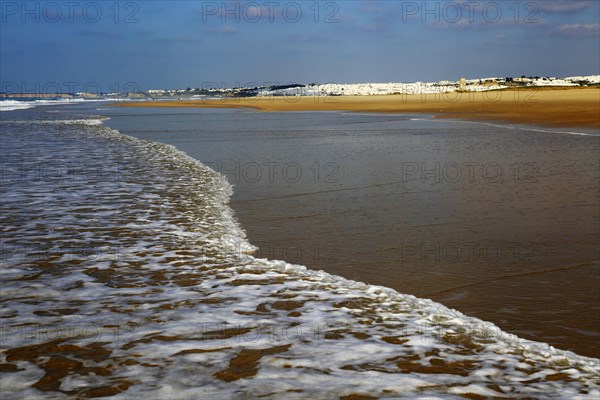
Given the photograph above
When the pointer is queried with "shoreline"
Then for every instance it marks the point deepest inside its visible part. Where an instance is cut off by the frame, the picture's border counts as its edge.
(309, 226)
(556, 107)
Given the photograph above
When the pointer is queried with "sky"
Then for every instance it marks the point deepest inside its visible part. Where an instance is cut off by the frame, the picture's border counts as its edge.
(107, 46)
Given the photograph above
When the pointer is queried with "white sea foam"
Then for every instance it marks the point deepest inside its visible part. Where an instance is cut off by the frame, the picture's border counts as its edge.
(80, 121)
(169, 304)
(11, 105)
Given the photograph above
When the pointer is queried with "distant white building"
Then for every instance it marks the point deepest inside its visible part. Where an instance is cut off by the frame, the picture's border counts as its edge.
(462, 84)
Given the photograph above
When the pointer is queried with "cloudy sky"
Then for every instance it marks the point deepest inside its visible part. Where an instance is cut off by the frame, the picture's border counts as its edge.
(176, 44)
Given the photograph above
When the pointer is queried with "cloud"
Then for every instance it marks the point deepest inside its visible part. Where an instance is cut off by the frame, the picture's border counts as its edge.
(176, 40)
(500, 39)
(312, 39)
(341, 17)
(464, 24)
(579, 30)
(563, 7)
(372, 28)
(227, 29)
(104, 34)
(370, 7)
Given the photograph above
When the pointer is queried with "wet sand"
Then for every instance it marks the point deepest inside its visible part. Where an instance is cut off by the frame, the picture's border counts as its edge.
(575, 107)
(514, 240)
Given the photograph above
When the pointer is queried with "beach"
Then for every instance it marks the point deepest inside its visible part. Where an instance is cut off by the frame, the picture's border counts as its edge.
(564, 107)
(351, 200)
(134, 269)
(494, 249)
(136, 274)
(477, 216)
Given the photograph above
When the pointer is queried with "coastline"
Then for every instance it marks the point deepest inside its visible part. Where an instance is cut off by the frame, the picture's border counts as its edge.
(556, 107)
(333, 230)
(231, 320)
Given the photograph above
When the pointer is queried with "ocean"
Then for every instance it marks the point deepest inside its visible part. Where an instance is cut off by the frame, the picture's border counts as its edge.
(160, 253)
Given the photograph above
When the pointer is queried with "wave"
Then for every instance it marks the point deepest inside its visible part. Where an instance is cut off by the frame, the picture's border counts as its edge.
(185, 310)
(11, 105)
(80, 121)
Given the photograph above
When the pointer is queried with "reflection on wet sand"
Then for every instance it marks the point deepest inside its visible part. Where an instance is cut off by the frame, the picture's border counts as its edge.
(493, 221)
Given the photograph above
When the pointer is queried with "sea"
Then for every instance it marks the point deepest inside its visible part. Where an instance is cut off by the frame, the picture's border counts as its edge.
(233, 254)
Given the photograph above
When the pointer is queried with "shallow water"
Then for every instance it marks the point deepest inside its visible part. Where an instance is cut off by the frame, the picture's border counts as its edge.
(125, 273)
(499, 222)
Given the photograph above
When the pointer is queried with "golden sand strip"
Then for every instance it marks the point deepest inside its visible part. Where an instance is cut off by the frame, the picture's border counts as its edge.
(565, 107)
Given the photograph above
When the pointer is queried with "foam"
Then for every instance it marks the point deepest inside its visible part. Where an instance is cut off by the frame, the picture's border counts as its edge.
(11, 105)
(171, 295)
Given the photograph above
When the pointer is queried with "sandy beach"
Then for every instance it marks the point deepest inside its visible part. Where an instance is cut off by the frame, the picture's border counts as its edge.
(563, 107)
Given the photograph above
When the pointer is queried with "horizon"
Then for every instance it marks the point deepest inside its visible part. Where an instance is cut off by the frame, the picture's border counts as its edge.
(261, 43)
(14, 88)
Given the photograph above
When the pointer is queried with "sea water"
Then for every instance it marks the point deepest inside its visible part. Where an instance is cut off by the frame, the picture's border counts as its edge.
(126, 273)
(498, 221)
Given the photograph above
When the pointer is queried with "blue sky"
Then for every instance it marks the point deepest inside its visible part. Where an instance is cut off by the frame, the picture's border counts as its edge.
(176, 44)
